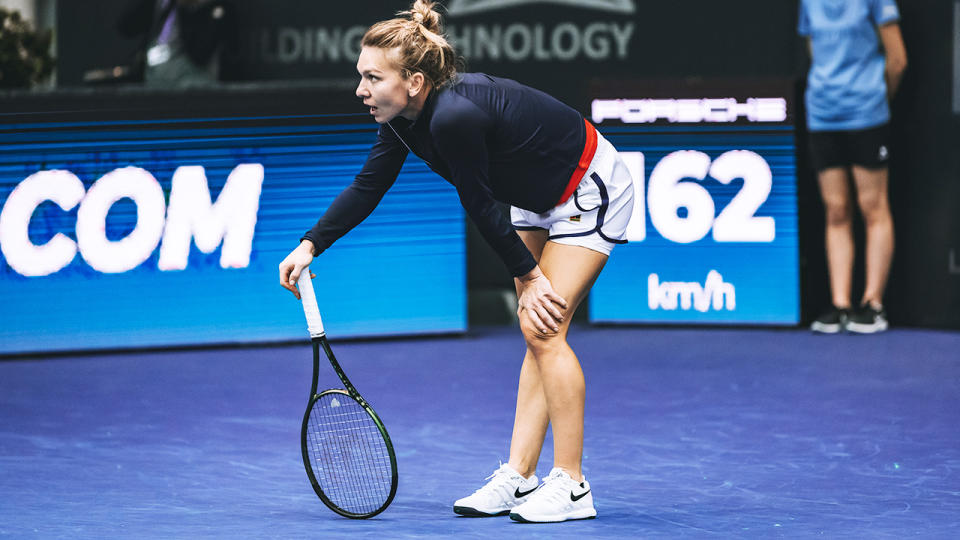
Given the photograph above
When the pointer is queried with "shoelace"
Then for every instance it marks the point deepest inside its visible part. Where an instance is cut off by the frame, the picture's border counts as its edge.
(556, 489)
(502, 477)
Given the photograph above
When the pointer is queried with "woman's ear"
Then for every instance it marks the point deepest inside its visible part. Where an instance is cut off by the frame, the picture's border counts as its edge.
(416, 84)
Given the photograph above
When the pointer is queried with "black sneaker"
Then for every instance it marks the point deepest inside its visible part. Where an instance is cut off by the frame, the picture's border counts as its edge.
(831, 322)
(867, 320)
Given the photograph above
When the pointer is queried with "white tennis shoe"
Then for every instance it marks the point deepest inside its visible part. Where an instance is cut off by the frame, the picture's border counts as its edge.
(506, 489)
(559, 498)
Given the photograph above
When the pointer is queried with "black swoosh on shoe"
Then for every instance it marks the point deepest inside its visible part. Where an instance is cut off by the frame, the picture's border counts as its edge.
(576, 498)
(518, 494)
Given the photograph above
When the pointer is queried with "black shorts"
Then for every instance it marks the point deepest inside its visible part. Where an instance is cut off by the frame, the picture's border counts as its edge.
(867, 148)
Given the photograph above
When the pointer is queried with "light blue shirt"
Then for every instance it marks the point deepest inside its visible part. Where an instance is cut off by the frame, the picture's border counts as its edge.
(846, 88)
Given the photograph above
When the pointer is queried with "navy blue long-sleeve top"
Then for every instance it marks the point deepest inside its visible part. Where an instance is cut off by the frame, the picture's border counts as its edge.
(494, 139)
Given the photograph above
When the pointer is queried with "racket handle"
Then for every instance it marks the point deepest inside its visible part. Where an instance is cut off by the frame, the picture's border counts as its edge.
(309, 299)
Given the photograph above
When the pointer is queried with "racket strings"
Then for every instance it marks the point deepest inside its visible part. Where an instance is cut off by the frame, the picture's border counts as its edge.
(353, 455)
(348, 454)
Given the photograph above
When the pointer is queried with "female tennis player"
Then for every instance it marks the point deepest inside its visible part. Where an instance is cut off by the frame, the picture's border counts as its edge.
(571, 198)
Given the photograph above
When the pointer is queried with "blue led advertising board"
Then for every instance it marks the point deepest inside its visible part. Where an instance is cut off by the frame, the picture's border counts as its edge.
(713, 237)
(159, 232)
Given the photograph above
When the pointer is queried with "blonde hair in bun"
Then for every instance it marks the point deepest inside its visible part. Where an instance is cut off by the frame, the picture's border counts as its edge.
(417, 36)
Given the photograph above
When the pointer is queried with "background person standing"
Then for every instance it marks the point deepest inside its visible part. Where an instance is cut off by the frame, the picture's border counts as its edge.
(858, 59)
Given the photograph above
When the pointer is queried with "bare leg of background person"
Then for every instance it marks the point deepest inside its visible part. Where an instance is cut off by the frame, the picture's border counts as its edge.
(875, 206)
(838, 204)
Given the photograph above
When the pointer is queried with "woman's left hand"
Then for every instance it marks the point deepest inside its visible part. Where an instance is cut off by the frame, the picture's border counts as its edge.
(539, 302)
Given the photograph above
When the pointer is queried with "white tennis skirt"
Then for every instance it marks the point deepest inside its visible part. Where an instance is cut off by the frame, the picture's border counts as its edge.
(596, 216)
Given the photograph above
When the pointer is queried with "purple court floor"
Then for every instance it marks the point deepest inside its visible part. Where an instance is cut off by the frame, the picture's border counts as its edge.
(691, 433)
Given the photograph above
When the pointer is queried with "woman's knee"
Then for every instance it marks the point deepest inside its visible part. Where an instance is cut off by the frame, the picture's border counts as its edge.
(540, 342)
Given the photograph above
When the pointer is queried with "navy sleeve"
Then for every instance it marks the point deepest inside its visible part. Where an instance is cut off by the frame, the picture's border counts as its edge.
(460, 139)
(355, 203)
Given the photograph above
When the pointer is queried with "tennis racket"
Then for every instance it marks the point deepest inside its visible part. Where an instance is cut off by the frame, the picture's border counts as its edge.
(346, 450)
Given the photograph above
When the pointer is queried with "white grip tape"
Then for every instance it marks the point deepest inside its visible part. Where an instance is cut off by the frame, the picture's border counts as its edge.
(309, 299)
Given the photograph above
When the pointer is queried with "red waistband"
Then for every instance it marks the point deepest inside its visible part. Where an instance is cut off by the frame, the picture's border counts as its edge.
(589, 148)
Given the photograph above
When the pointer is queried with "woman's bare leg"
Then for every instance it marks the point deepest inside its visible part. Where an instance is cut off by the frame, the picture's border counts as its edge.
(551, 379)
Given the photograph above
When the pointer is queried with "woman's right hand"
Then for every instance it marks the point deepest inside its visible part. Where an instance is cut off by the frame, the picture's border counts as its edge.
(293, 264)
(539, 303)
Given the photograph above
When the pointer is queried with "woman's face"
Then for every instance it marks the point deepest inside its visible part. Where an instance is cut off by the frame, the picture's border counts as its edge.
(382, 88)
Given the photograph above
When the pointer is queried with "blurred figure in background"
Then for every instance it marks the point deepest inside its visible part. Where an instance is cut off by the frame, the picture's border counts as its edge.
(858, 59)
(25, 58)
(182, 40)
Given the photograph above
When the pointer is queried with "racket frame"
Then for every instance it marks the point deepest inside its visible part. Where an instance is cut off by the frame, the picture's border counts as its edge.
(350, 391)
(318, 339)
